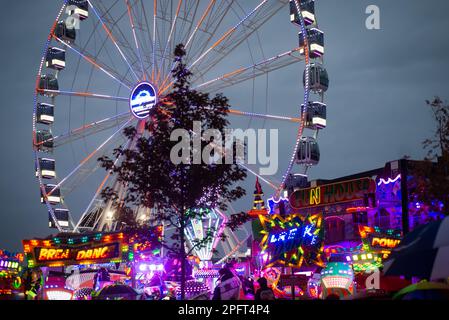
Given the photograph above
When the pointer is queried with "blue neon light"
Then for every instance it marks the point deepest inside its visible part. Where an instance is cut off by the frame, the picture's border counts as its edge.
(143, 99)
(287, 240)
(272, 204)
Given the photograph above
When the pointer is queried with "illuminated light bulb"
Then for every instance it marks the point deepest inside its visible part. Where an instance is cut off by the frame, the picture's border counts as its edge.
(109, 215)
(142, 267)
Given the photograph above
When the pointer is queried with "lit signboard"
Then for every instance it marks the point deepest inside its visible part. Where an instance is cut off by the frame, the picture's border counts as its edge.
(80, 249)
(292, 240)
(76, 255)
(280, 206)
(143, 99)
(377, 242)
(330, 194)
(50, 254)
(100, 253)
(383, 240)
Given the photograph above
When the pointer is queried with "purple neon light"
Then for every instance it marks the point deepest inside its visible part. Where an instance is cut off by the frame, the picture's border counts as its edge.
(389, 180)
(272, 201)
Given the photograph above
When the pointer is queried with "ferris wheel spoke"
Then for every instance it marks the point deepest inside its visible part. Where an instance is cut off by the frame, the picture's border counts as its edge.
(256, 70)
(187, 20)
(233, 38)
(121, 38)
(235, 247)
(268, 182)
(170, 35)
(222, 152)
(105, 180)
(200, 22)
(81, 94)
(238, 34)
(89, 157)
(120, 187)
(263, 116)
(98, 191)
(184, 19)
(153, 58)
(207, 24)
(89, 58)
(133, 27)
(87, 130)
(145, 29)
(112, 38)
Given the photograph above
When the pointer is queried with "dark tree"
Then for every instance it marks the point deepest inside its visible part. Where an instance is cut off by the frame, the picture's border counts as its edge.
(431, 182)
(176, 190)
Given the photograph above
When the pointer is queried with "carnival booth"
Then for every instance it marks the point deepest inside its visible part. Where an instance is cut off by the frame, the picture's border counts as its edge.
(55, 287)
(290, 245)
(79, 264)
(10, 270)
(337, 279)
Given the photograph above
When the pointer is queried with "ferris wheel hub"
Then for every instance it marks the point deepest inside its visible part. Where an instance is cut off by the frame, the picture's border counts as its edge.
(143, 99)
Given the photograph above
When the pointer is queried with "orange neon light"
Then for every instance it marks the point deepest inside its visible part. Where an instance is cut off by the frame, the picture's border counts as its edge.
(53, 254)
(385, 242)
(97, 253)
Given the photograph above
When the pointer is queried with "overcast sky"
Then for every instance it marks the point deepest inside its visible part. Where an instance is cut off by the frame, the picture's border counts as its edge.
(380, 80)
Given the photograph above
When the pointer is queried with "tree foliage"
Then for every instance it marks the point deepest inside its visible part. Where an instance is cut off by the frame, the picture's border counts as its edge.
(172, 190)
(431, 183)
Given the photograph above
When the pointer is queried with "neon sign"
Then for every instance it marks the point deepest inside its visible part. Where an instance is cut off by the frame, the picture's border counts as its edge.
(383, 240)
(332, 193)
(143, 99)
(384, 243)
(273, 204)
(315, 196)
(389, 180)
(44, 254)
(292, 240)
(109, 251)
(97, 253)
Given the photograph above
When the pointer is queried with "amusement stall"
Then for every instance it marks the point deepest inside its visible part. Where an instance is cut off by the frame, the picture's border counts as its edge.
(78, 265)
(10, 273)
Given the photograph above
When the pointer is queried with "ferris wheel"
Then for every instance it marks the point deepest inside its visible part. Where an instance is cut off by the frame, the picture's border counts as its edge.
(106, 64)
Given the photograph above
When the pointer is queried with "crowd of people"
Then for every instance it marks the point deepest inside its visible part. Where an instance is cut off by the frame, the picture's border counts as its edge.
(233, 287)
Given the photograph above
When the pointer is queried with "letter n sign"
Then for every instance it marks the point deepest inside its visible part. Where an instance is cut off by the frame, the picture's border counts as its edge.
(315, 196)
